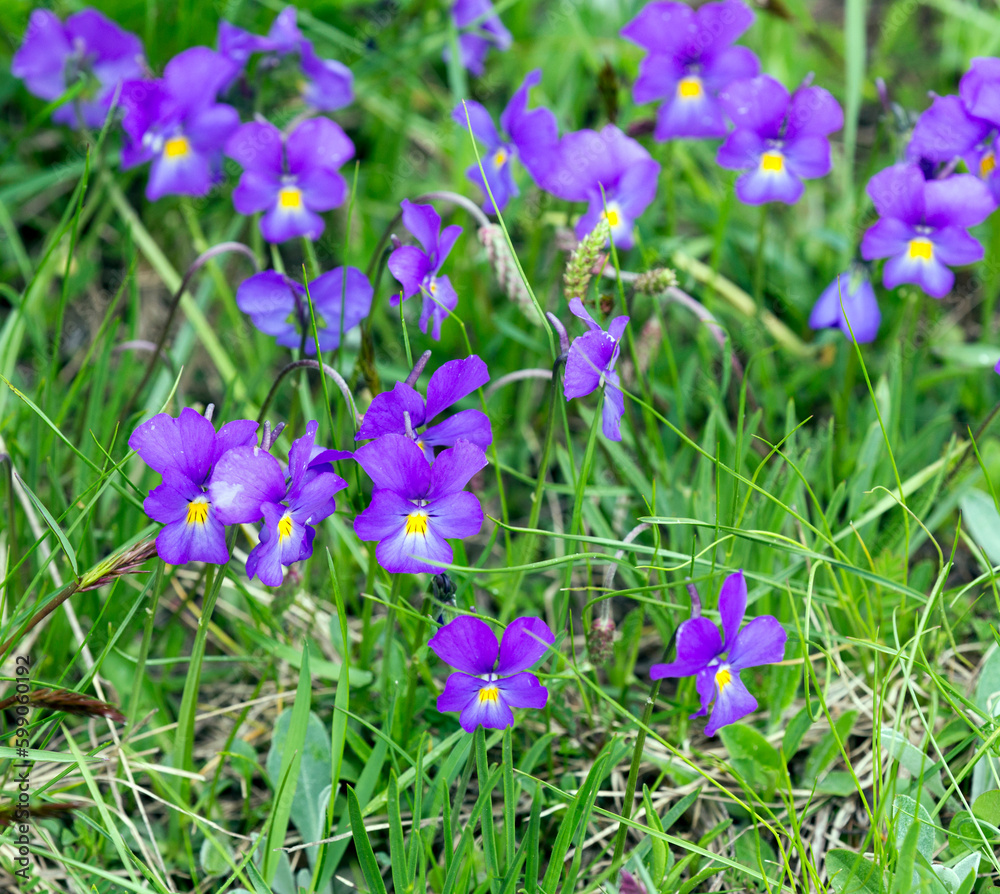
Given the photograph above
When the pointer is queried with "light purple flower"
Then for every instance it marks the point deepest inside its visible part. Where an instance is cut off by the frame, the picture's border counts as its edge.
(417, 268)
(966, 126)
(327, 84)
(176, 123)
(923, 226)
(481, 29)
(184, 451)
(779, 140)
(54, 55)
(860, 306)
(591, 365)
(490, 680)
(532, 138)
(449, 384)
(589, 161)
(249, 482)
(290, 178)
(278, 306)
(691, 58)
(716, 661)
(416, 506)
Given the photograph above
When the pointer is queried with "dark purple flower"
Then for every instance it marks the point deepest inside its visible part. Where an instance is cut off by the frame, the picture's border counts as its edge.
(327, 84)
(184, 451)
(417, 270)
(490, 680)
(481, 29)
(923, 226)
(54, 55)
(591, 365)
(416, 506)
(278, 306)
(717, 661)
(589, 161)
(779, 140)
(176, 123)
(691, 58)
(860, 307)
(453, 381)
(249, 482)
(532, 138)
(290, 178)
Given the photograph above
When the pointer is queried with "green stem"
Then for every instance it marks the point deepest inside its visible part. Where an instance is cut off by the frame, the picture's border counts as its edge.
(633, 776)
(390, 629)
(562, 606)
(758, 272)
(536, 500)
(486, 819)
(147, 638)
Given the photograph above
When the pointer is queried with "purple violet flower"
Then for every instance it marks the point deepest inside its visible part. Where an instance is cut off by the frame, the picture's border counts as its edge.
(589, 161)
(967, 125)
(417, 270)
(481, 29)
(54, 55)
(779, 140)
(184, 451)
(249, 482)
(290, 177)
(175, 123)
(923, 226)
(416, 505)
(591, 365)
(327, 85)
(860, 306)
(691, 58)
(489, 681)
(533, 137)
(452, 381)
(717, 662)
(277, 305)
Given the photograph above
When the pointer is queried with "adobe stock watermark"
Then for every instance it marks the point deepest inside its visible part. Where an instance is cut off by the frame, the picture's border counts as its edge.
(22, 773)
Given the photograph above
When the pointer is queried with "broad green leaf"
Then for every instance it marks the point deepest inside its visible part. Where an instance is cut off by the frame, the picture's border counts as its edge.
(851, 873)
(905, 810)
(754, 758)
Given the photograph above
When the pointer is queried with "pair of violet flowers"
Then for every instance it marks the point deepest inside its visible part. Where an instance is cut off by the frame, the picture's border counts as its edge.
(419, 499)
(216, 478)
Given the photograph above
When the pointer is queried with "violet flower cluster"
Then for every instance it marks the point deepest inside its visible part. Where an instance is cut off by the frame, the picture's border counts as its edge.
(213, 479)
(716, 661)
(419, 499)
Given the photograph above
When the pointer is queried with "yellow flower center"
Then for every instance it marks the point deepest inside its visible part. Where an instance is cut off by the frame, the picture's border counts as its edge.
(284, 527)
(197, 512)
(500, 157)
(612, 217)
(416, 523)
(987, 163)
(290, 197)
(723, 678)
(489, 694)
(689, 88)
(921, 248)
(433, 287)
(772, 161)
(176, 147)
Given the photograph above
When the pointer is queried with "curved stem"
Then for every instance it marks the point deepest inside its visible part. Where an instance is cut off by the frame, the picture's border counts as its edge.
(516, 376)
(196, 265)
(310, 364)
